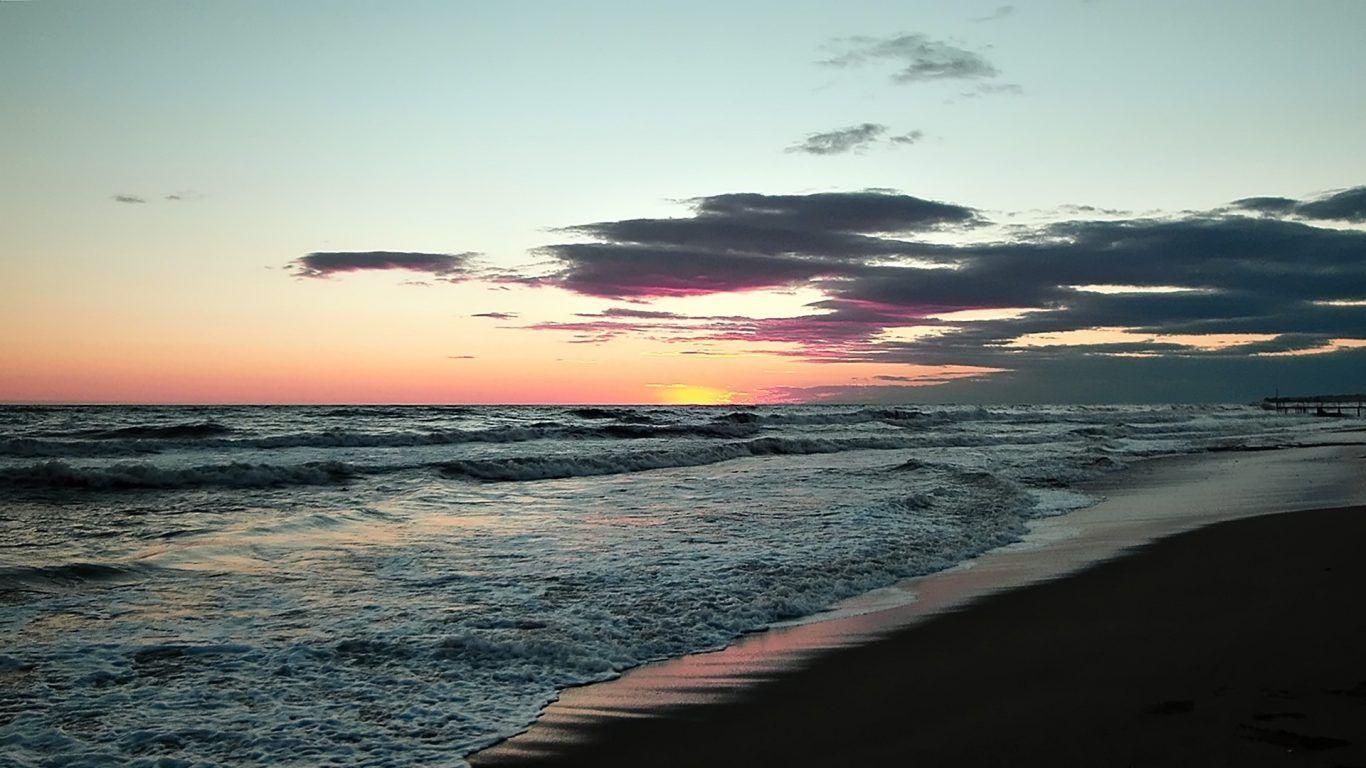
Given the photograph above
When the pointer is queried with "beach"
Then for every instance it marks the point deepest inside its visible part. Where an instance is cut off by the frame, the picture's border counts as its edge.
(451, 384)
(1191, 619)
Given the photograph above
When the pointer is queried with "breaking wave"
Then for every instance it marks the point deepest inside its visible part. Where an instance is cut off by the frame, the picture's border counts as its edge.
(169, 432)
(59, 474)
(108, 445)
(551, 467)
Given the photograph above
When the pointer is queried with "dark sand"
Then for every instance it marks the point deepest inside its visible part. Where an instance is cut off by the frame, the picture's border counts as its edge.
(1239, 644)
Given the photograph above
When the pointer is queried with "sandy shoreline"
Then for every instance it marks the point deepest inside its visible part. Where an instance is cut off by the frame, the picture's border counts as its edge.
(1029, 665)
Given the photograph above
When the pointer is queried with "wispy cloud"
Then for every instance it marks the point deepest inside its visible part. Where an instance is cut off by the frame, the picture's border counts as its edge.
(993, 89)
(841, 140)
(177, 196)
(650, 314)
(907, 138)
(914, 57)
(855, 138)
(1000, 13)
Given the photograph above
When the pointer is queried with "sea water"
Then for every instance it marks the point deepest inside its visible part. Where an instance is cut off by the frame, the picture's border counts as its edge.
(405, 585)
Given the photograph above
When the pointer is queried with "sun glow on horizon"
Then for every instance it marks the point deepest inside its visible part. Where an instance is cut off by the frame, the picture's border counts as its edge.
(693, 394)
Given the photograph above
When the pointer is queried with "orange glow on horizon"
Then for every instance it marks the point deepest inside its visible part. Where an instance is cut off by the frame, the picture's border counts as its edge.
(1333, 345)
(1102, 336)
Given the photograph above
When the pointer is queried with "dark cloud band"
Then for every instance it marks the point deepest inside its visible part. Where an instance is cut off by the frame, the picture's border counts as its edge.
(327, 263)
(747, 241)
(1288, 286)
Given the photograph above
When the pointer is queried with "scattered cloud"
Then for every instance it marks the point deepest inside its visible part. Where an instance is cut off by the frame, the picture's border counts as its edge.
(991, 89)
(907, 138)
(1072, 208)
(179, 195)
(1000, 13)
(1345, 205)
(633, 313)
(1277, 205)
(855, 138)
(915, 58)
(460, 357)
(841, 140)
(869, 211)
(449, 266)
(496, 315)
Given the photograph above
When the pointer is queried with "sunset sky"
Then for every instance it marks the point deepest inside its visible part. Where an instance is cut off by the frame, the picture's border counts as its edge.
(263, 202)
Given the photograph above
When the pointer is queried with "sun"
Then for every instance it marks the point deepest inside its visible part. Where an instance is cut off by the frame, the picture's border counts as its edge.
(692, 394)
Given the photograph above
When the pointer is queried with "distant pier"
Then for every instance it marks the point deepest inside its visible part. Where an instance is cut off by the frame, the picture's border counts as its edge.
(1318, 405)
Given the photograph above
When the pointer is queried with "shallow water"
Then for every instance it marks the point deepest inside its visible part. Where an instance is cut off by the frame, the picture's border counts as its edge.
(401, 586)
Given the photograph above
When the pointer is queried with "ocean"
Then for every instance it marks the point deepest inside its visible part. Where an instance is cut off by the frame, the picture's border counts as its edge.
(402, 586)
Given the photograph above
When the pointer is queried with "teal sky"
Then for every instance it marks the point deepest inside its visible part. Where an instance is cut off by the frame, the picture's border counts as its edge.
(477, 124)
(449, 127)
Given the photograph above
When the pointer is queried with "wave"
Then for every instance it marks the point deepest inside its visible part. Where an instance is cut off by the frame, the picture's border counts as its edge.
(67, 575)
(553, 467)
(386, 411)
(538, 466)
(58, 474)
(35, 448)
(160, 652)
(122, 441)
(619, 414)
(188, 431)
(128, 475)
(859, 416)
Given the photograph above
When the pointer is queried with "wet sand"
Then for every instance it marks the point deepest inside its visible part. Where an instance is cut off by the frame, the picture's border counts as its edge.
(1239, 643)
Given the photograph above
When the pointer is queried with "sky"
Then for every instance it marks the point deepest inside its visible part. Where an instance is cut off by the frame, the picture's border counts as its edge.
(690, 202)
